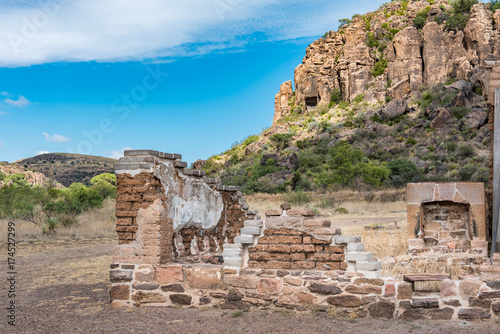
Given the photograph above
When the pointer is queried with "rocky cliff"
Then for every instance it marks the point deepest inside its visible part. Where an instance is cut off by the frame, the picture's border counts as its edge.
(386, 55)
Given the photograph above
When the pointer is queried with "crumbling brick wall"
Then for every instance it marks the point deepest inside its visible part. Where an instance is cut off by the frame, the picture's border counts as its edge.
(292, 249)
(167, 212)
(294, 239)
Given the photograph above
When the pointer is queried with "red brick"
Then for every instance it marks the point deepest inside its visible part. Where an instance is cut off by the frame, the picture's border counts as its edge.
(334, 249)
(123, 205)
(302, 249)
(282, 231)
(303, 265)
(127, 198)
(141, 205)
(124, 190)
(142, 189)
(319, 249)
(337, 257)
(126, 235)
(307, 240)
(298, 257)
(130, 182)
(258, 248)
(277, 248)
(126, 213)
(320, 242)
(126, 228)
(124, 221)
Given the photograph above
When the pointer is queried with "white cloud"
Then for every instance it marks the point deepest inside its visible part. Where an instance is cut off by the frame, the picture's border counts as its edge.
(41, 152)
(121, 30)
(118, 153)
(55, 138)
(6, 94)
(20, 102)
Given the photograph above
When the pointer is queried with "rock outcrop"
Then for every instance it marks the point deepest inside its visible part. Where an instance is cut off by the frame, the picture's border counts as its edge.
(404, 58)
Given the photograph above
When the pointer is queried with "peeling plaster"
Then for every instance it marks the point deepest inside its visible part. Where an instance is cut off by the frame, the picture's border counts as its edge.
(191, 201)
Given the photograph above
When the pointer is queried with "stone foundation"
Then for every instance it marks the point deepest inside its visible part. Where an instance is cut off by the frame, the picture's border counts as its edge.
(335, 291)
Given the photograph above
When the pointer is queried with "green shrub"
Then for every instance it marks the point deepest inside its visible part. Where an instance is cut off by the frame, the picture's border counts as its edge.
(105, 185)
(459, 112)
(465, 151)
(457, 22)
(380, 67)
(385, 25)
(411, 141)
(465, 173)
(250, 140)
(336, 96)
(359, 98)
(462, 6)
(281, 140)
(382, 47)
(372, 42)
(344, 22)
(402, 172)
(495, 4)
(421, 18)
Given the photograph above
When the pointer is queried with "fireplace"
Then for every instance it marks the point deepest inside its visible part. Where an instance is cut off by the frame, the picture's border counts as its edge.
(446, 216)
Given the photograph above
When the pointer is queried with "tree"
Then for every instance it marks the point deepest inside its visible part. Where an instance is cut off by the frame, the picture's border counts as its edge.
(105, 185)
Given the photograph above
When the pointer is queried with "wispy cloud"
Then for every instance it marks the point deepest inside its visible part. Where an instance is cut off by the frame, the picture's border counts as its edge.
(122, 30)
(6, 94)
(118, 153)
(41, 152)
(3, 112)
(55, 138)
(20, 102)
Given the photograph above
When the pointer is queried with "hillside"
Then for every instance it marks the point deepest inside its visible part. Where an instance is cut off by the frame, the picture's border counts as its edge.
(395, 96)
(33, 178)
(68, 168)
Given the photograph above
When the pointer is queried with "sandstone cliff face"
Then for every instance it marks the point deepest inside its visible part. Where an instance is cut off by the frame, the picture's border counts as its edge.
(344, 60)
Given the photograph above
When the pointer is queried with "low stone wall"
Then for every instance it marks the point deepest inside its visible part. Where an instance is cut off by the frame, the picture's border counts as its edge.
(334, 291)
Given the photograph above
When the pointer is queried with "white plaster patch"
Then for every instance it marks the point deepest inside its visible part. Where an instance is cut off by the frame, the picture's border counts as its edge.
(190, 201)
(134, 172)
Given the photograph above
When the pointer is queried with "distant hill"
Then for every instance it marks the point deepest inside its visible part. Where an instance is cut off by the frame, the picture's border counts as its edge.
(33, 178)
(67, 168)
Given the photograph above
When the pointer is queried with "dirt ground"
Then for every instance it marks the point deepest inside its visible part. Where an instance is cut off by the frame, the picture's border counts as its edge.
(63, 288)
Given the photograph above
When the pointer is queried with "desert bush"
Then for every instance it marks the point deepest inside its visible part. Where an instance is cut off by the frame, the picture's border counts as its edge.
(462, 6)
(456, 22)
(342, 210)
(281, 140)
(495, 4)
(105, 185)
(465, 173)
(372, 41)
(464, 151)
(297, 198)
(421, 18)
(402, 172)
(379, 67)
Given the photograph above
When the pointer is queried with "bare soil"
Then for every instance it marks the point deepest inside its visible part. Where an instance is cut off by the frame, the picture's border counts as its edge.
(63, 288)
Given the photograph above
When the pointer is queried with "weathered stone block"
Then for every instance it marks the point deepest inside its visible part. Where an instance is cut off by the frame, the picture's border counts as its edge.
(146, 286)
(173, 288)
(118, 276)
(204, 278)
(325, 289)
(121, 291)
(448, 288)
(269, 286)
(180, 299)
(363, 289)
(441, 314)
(239, 281)
(425, 303)
(479, 302)
(382, 309)
(345, 301)
(148, 297)
(301, 212)
(470, 287)
(274, 212)
(474, 314)
(405, 291)
(169, 274)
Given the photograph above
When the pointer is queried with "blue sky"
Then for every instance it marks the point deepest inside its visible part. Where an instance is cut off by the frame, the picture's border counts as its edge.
(190, 77)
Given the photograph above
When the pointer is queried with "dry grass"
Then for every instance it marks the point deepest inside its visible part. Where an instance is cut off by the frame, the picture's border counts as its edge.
(98, 223)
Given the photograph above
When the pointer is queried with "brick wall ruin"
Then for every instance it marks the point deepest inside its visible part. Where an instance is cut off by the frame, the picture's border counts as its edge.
(185, 240)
